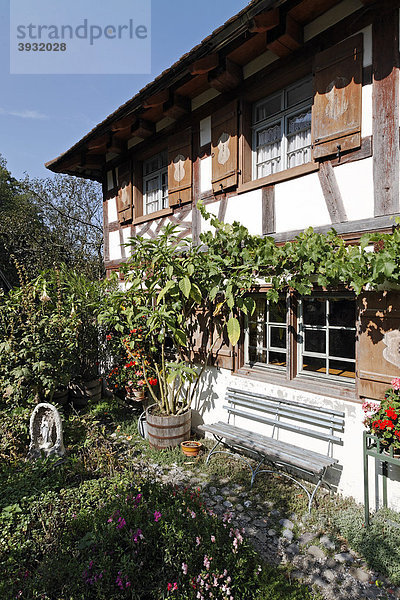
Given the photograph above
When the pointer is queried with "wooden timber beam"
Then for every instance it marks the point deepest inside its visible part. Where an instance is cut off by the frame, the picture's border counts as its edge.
(99, 143)
(226, 77)
(143, 129)
(91, 161)
(176, 106)
(156, 99)
(385, 112)
(115, 145)
(265, 21)
(204, 65)
(286, 38)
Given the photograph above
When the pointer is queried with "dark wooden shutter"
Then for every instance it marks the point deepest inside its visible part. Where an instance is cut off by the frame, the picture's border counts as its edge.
(137, 188)
(378, 348)
(180, 168)
(223, 354)
(224, 148)
(336, 114)
(204, 334)
(124, 198)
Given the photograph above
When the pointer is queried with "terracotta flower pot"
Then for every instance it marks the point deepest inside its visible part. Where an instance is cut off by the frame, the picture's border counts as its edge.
(191, 448)
(135, 395)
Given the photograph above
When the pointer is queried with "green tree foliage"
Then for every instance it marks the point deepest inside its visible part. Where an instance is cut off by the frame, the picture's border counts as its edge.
(50, 221)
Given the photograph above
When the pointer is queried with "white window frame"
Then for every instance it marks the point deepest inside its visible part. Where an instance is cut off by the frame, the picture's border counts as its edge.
(161, 171)
(327, 327)
(264, 326)
(264, 333)
(280, 117)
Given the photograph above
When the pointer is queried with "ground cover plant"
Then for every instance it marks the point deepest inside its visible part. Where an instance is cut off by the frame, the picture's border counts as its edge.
(90, 526)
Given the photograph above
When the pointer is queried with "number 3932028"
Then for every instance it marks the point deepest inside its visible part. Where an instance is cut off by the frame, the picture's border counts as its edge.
(42, 47)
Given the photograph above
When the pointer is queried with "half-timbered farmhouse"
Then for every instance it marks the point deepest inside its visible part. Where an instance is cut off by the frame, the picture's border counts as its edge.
(285, 117)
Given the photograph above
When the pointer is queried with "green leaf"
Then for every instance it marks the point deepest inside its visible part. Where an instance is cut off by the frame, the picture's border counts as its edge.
(180, 337)
(195, 293)
(165, 290)
(233, 328)
(185, 286)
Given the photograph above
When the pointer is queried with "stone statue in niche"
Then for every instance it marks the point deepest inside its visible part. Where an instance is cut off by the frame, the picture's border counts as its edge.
(391, 353)
(45, 429)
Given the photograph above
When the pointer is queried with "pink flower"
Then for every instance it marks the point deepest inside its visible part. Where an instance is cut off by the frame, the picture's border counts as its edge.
(213, 539)
(206, 562)
(396, 383)
(184, 568)
(198, 541)
(121, 523)
(157, 516)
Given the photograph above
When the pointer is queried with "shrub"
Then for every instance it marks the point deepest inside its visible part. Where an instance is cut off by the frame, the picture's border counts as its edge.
(112, 539)
(379, 543)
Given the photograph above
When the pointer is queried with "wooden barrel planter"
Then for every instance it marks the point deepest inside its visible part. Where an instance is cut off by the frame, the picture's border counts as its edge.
(80, 394)
(167, 431)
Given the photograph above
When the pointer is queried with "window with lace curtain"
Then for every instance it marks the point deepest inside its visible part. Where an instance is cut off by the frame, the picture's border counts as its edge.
(155, 183)
(282, 129)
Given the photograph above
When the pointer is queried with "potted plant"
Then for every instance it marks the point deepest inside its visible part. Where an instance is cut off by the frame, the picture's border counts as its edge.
(168, 281)
(383, 420)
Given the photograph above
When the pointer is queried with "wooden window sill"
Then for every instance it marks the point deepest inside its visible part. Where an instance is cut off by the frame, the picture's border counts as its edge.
(286, 175)
(328, 388)
(152, 216)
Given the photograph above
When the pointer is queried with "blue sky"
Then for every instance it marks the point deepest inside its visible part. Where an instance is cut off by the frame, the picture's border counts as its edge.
(41, 116)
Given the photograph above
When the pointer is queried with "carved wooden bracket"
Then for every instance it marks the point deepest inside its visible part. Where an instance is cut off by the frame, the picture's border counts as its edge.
(204, 65)
(265, 21)
(143, 129)
(226, 77)
(176, 106)
(286, 38)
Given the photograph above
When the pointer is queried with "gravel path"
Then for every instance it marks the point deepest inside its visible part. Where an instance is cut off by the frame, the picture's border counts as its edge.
(337, 573)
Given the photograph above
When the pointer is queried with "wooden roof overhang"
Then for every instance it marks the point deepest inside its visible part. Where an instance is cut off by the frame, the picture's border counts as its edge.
(216, 63)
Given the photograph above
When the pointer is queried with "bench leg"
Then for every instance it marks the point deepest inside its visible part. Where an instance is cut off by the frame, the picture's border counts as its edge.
(235, 454)
(212, 451)
(310, 496)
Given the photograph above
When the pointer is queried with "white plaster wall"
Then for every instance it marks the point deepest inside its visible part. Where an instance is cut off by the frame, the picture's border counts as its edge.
(367, 39)
(205, 174)
(355, 182)
(126, 234)
(366, 118)
(299, 203)
(208, 408)
(205, 131)
(247, 209)
(110, 180)
(330, 17)
(212, 209)
(112, 210)
(114, 245)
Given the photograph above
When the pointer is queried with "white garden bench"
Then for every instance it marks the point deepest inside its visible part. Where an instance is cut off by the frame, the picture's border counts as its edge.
(308, 421)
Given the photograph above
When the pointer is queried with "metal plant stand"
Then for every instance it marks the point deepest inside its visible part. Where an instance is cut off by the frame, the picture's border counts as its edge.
(373, 447)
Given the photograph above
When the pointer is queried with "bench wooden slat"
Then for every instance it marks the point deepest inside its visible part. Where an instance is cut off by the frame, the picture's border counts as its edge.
(275, 450)
(282, 425)
(260, 443)
(233, 391)
(310, 417)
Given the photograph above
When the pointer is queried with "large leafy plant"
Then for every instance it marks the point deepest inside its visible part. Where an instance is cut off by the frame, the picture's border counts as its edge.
(38, 339)
(168, 282)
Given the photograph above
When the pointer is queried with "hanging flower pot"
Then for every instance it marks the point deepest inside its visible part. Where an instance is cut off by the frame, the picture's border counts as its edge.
(191, 448)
